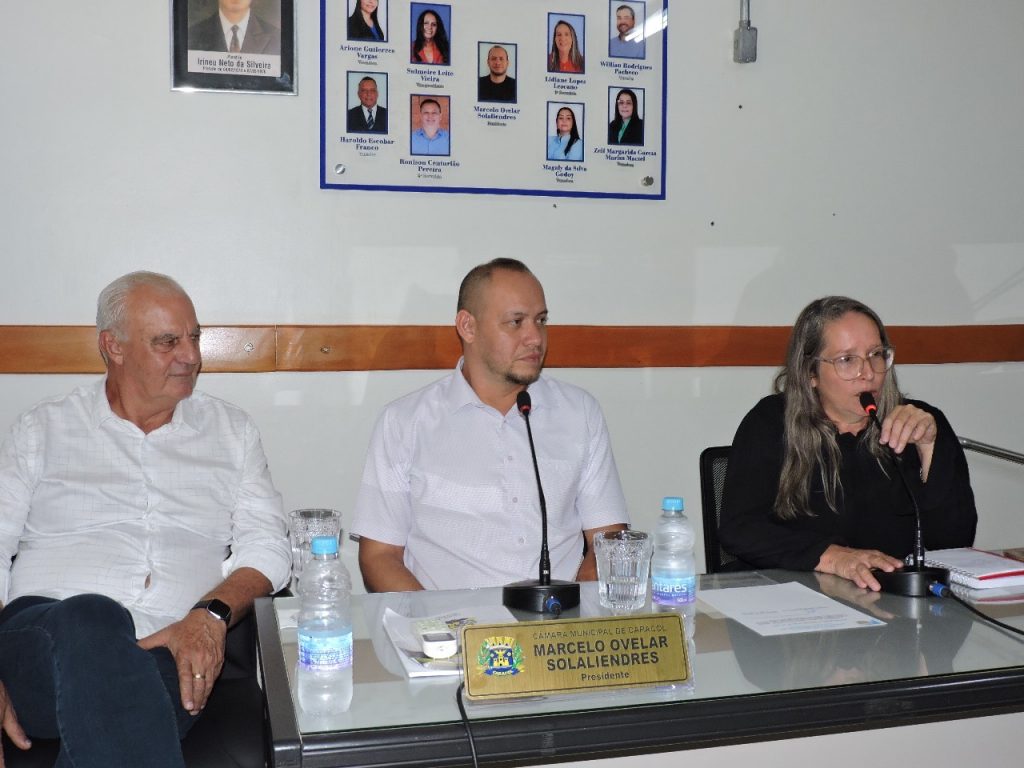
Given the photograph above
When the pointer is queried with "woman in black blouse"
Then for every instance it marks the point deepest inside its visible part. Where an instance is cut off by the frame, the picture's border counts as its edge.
(812, 483)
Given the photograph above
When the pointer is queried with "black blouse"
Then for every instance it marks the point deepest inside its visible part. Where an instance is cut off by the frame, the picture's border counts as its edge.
(874, 511)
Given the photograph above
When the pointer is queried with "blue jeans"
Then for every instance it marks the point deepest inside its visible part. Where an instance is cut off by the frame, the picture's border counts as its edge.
(73, 671)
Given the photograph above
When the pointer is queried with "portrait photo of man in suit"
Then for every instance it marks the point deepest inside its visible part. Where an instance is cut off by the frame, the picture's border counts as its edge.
(234, 27)
(369, 116)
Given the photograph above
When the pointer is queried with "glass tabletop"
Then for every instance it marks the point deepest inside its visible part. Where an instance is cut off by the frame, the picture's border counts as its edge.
(920, 638)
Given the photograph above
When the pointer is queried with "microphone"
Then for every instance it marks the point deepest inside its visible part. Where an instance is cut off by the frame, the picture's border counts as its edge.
(917, 579)
(542, 595)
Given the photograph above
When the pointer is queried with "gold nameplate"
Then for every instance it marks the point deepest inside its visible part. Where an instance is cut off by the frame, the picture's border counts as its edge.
(537, 658)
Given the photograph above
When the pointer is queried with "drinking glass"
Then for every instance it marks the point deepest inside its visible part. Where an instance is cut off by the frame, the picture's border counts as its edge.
(303, 525)
(623, 562)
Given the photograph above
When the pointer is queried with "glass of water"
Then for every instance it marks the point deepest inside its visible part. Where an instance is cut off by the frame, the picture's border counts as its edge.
(623, 562)
(303, 525)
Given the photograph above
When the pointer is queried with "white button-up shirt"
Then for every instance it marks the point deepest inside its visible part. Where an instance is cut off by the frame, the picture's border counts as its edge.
(451, 480)
(90, 503)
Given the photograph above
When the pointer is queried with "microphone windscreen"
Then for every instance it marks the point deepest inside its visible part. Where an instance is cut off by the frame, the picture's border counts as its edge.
(867, 402)
(523, 401)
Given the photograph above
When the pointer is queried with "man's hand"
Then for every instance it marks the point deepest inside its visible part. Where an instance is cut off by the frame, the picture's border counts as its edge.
(197, 644)
(10, 724)
(856, 565)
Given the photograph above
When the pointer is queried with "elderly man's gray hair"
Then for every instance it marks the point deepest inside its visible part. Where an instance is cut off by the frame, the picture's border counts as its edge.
(113, 300)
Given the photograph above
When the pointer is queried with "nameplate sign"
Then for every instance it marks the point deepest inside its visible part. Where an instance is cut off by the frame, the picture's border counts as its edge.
(538, 658)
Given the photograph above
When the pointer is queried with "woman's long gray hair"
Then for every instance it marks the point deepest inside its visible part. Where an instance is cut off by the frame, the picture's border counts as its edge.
(810, 436)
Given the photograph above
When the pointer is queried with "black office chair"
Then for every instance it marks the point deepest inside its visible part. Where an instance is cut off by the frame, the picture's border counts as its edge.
(230, 734)
(713, 463)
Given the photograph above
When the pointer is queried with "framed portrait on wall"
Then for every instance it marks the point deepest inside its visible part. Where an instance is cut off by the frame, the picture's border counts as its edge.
(564, 99)
(243, 46)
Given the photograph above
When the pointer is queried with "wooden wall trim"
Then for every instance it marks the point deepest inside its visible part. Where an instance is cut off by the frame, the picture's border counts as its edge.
(266, 348)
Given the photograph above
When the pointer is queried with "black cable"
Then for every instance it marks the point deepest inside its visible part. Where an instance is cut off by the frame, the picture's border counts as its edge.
(985, 616)
(465, 722)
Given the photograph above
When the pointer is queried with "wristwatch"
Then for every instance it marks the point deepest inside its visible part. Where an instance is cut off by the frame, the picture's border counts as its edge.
(216, 608)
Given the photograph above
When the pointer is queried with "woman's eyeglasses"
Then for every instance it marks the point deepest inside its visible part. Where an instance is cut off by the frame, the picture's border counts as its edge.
(850, 367)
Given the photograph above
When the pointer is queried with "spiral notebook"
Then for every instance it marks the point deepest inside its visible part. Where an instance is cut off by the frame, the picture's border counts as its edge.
(977, 568)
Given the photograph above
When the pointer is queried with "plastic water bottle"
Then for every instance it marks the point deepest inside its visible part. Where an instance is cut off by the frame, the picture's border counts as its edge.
(673, 568)
(324, 672)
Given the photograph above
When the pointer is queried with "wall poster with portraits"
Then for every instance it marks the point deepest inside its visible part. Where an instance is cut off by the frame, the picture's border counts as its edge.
(244, 46)
(535, 97)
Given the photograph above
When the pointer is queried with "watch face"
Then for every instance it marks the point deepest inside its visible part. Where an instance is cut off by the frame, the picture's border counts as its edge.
(217, 608)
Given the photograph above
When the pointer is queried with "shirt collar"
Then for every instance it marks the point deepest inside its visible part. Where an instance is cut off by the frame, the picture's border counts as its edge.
(185, 413)
(460, 394)
(226, 25)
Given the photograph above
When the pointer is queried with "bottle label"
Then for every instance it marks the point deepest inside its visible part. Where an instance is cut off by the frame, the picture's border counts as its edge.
(325, 653)
(668, 590)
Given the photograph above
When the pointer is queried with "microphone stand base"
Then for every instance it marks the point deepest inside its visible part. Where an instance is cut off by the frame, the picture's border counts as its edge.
(539, 598)
(911, 581)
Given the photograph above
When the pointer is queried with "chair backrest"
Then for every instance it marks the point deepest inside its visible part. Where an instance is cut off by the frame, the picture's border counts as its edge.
(713, 463)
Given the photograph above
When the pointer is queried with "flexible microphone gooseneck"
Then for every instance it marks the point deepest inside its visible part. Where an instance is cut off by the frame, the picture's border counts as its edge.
(524, 404)
(917, 579)
(542, 595)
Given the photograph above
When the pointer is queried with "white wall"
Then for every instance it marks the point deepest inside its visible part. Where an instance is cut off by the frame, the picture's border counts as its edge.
(873, 150)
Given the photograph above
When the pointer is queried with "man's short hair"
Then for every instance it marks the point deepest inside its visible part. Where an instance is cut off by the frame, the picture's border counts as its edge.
(632, 14)
(370, 79)
(435, 102)
(111, 306)
(480, 274)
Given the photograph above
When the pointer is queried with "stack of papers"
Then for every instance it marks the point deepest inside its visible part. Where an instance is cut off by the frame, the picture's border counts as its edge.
(403, 634)
(977, 568)
(995, 595)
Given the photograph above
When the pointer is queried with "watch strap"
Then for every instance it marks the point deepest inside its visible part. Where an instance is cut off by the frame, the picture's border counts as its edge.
(216, 608)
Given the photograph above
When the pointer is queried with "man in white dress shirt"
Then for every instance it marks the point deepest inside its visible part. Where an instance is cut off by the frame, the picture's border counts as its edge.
(144, 523)
(448, 498)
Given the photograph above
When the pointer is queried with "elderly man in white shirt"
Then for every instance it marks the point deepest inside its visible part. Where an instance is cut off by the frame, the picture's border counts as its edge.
(144, 523)
(448, 498)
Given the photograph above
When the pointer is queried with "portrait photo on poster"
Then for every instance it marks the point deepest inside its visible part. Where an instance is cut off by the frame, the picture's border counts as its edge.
(566, 36)
(430, 33)
(244, 46)
(625, 115)
(565, 131)
(368, 20)
(430, 124)
(497, 70)
(626, 40)
(368, 98)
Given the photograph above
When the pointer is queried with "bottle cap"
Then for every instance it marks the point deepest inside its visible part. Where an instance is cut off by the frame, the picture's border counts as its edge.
(672, 504)
(323, 545)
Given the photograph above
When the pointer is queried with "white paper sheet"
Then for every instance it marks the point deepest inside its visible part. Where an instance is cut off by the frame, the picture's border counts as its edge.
(785, 609)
